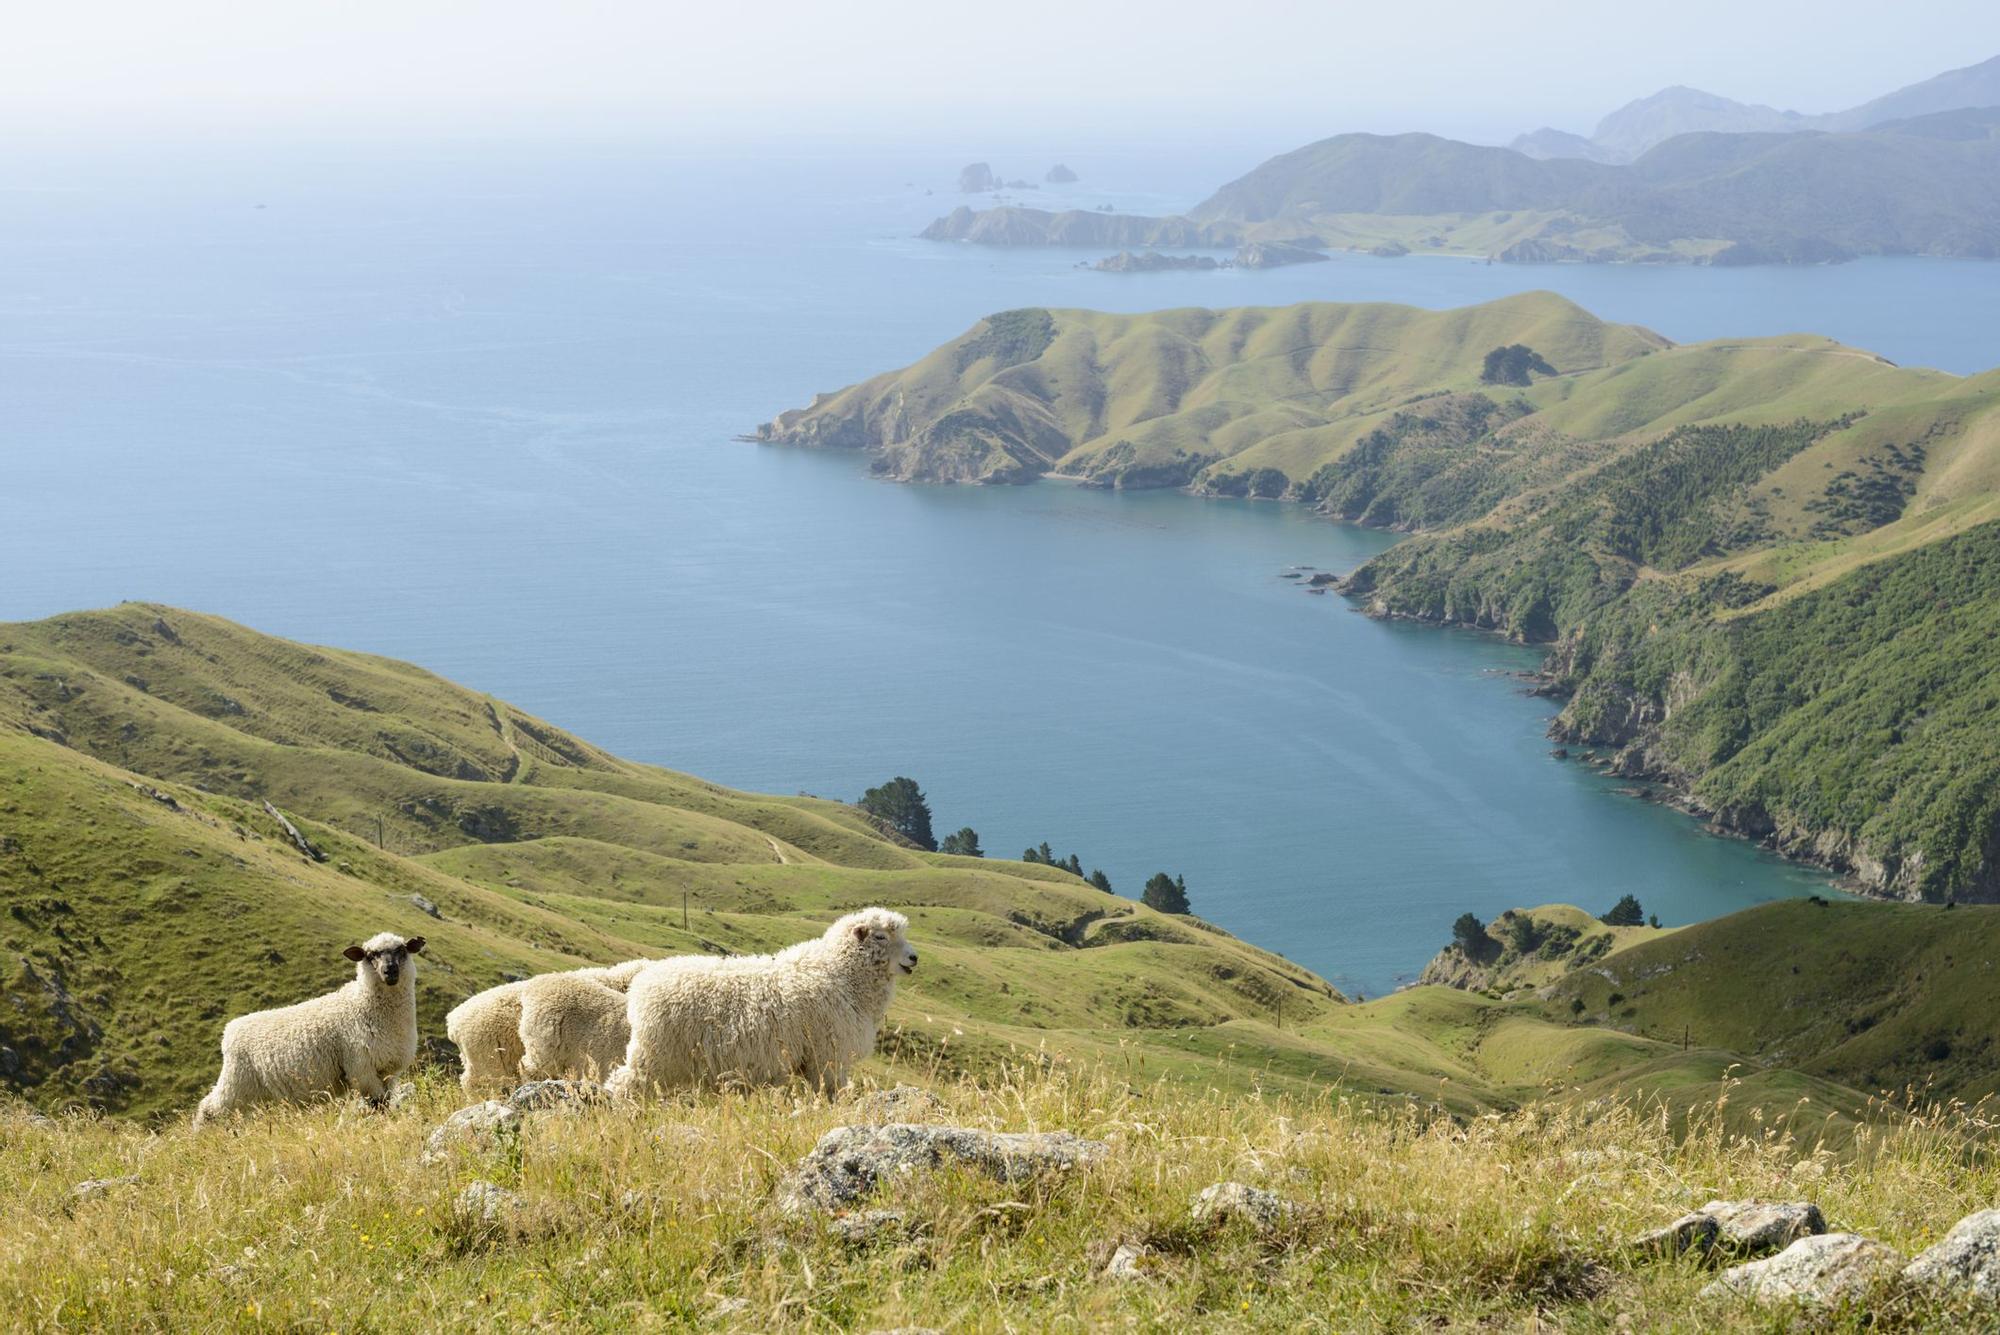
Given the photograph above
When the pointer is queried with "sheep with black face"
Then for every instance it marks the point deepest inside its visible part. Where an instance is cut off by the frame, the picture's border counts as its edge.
(354, 1040)
(807, 1013)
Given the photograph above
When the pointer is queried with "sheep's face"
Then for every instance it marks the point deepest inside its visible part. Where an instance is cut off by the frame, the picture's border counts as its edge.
(384, 958)
(880, 936)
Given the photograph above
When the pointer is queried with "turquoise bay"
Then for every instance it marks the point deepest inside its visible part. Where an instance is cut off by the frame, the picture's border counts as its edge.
(476, 409)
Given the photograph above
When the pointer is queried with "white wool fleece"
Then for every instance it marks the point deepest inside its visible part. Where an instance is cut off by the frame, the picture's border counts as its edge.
(807, 1013)
(352, 1040)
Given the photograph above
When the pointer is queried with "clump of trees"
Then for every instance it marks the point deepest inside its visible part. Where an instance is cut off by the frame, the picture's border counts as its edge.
(1469, 935)
(965, 843)
(1167, 894)
(1514, 364)
(1625, 913)
(1072, 864)
(900, 805)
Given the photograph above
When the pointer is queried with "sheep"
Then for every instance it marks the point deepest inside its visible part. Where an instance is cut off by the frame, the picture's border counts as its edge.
(486, 1027)
(573, 1024)
(808, 1012)
(355, 1039)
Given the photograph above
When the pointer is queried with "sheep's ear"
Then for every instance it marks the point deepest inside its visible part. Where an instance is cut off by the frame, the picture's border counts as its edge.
(355, 953)
(415, 945)
(861, 932)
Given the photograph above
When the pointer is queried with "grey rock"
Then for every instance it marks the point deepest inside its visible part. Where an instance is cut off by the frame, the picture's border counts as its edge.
(402, 1094)
(425, 906)
(977, 178)
(1822, 1269)
(1764, 1226)
(483, 1126)
(1967, 1261)
(899, 1103)
(864, 1226)
(1132, 1261)
(1233, 1200)
(849, 1162)
(487, 1202)
(99, 1187)
(543, 1095)
(1690, 1233)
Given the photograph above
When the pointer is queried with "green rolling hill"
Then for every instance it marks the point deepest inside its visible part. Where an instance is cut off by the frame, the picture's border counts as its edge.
(149, 895)
(1767, 568)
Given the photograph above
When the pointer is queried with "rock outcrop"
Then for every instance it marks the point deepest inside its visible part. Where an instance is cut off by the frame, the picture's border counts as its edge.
(977, 178)
(1152, 261)
(1966, 1262)
(1060, 175)
(1274, 254)
(849, 1162)
(1823, 1270)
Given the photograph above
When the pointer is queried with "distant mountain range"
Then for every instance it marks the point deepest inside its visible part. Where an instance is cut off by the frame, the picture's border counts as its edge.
(1627, 133)
(1928, 185)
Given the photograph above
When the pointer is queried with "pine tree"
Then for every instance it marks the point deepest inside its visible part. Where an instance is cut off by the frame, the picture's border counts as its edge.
(1168, 894)
(900, 805)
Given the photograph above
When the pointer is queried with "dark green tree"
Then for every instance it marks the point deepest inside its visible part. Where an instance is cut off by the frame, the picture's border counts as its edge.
(900, 805)
(1513, 365)
(1100, 880)
(965, 843)
(1625, 913)
(1075, 866)
(1168, 894)
(1521, 932)
(1469, 935)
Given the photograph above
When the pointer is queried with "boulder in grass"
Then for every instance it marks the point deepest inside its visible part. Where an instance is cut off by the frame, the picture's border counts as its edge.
(1819, 1270)
(1752, 1227)
(1226, 1201)
(849, 1162)
(1966, 1262)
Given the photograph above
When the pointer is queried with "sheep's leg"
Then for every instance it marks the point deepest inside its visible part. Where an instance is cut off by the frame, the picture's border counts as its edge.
(358, 1068)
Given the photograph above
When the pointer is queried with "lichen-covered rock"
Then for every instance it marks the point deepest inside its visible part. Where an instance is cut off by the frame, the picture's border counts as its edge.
(487, 1202)
(1966, 1261)
(1823, 1269)
(1132, 1261)
(849, 1162)
(483, 1126)
(899, 1103)
(1764, 1226)
(1690, 1233)
(864, 1226)
(1234, 1200)
(98, 1187)
(543, 1095)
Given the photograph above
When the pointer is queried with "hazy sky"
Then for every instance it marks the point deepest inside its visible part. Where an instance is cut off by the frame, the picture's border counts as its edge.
(754, 67)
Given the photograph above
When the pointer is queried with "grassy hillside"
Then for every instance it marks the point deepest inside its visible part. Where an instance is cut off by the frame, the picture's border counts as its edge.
(148, 896)
(1765, 564)
(1183, 397)
(1876, 997)
(1919, 184)
(667, 1216)
(1526, 949)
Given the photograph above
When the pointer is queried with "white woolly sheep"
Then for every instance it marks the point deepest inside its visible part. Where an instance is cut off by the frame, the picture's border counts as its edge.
(808, 1012)
(573, 1025)
(355, 1039)
(486, 1027)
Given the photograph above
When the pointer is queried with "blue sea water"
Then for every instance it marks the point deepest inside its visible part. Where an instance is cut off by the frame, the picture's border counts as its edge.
(474, 406)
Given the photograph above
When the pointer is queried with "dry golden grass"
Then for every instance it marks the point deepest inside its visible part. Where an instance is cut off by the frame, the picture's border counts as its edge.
(666, 1217)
